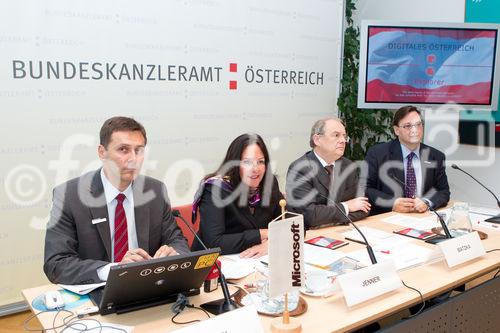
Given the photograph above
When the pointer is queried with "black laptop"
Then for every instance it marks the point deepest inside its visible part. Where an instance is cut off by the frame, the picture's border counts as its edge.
(138, 285)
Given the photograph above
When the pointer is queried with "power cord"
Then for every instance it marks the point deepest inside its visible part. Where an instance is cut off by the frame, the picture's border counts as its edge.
(54, 327)
(71, 321)
(180, 304)
(421, 298)
(84, 323)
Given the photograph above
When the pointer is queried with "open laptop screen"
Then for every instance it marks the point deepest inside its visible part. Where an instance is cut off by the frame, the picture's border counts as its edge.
(138, 285)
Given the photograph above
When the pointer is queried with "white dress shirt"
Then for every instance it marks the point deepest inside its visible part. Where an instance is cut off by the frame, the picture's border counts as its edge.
(110, 193)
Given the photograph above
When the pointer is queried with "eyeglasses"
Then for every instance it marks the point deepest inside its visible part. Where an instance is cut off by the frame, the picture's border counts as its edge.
(336, 136)
(410, 126)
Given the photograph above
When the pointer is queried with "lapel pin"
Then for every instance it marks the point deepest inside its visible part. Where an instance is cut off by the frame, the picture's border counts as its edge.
(99, 220)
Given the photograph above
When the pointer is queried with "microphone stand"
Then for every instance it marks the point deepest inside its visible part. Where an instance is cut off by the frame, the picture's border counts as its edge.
(439, 238)
(221, 305)
(369, 249)
(494, 219)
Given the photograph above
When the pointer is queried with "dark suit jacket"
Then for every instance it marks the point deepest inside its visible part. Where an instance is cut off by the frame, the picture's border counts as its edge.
(307, 190)
(75, 247)
(383, 192)
(234, 228)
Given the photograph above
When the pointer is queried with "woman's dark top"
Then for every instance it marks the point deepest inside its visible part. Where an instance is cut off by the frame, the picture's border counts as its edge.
(234, 228)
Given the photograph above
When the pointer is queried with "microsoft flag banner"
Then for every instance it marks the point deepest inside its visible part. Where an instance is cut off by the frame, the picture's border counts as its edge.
(430, 64)
(286, 247)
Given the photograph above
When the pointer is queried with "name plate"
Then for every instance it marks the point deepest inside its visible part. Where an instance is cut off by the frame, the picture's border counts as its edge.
(242, 320)
(461, 249)
(369, 282)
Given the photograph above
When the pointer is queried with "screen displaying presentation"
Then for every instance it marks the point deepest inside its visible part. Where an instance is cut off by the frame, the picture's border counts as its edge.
(429, 64)
(475, 127)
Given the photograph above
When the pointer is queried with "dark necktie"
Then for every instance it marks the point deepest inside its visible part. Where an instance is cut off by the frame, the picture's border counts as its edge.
(411, 179)
(121, 234)
(329, 170)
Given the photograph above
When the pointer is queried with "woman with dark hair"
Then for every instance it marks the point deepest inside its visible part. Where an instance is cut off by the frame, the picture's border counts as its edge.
(237, 202)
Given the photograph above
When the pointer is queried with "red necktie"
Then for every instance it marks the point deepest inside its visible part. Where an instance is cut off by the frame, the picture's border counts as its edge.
(121, 234)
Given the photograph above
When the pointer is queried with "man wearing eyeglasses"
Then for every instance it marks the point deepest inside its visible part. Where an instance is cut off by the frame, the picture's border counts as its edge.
(322, 181)
(405, 175)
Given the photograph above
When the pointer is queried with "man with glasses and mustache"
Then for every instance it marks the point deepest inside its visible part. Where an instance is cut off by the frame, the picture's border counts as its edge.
(322, 181)
(405, 175)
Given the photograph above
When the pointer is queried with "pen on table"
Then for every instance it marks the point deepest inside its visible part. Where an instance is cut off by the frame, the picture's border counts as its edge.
(317, 266)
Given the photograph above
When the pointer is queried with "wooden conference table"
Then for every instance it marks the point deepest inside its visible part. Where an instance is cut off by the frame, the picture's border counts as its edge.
(324, 314)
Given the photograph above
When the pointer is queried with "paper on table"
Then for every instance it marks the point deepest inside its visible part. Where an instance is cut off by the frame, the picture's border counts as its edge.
(316, 256)
(422, 223)
(82, 289)
(479, 220)
(478, 215)
(234, 267)
(310, 268)
(320, 256)
(241, 320)
(484, 211)
(404, 254)
(374, 236)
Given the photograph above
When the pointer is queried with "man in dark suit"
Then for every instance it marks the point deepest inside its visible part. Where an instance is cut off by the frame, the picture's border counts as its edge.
(323, 177)
(405, 175)
(112, 215)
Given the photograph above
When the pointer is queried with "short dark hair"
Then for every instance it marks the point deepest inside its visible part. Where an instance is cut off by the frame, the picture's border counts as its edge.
(117, 124)
(402, 112)
(234, 153)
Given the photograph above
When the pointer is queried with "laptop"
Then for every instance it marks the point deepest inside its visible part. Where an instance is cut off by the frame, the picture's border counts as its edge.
(139, 285)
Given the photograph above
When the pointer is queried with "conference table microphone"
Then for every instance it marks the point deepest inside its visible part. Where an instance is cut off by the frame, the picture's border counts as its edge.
(439, 238)
(494, 219)
(221, 305)
(369, 249)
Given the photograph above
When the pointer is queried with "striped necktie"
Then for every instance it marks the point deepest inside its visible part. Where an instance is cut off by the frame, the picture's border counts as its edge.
(121, 234)
(411, 179)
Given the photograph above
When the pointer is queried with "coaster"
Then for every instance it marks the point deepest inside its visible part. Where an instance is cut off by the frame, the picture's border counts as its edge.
(300, 309)
(439, 231)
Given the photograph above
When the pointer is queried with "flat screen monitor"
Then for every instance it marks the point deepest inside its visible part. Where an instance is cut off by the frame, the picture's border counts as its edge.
(428, 64)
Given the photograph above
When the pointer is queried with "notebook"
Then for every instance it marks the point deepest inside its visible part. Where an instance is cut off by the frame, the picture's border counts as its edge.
(138, 285)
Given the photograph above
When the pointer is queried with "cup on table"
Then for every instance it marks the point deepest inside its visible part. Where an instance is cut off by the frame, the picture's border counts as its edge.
(318, 281)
